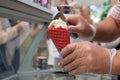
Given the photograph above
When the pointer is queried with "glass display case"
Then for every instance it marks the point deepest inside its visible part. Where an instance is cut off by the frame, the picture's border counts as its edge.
(31, 60)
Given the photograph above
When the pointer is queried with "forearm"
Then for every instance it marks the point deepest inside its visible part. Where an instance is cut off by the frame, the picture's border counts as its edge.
(116, 63)
(8, 34)
(107, 30)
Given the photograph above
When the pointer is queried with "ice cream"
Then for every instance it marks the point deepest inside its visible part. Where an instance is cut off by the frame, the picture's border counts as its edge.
(58, 23)
(58, 32)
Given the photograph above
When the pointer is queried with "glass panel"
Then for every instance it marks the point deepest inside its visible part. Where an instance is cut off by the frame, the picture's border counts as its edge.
(40, 57)
(33, 30)
(14, 44)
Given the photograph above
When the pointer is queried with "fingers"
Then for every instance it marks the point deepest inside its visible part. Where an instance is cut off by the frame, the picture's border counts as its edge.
(67, 50)
(73, 65)
(81, 69)
(70, 53)
(67, 60)
(73, 19)
(74, 58)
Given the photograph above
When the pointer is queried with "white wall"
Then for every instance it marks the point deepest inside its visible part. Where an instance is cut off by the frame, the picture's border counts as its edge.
(80, 2)
(90, 2)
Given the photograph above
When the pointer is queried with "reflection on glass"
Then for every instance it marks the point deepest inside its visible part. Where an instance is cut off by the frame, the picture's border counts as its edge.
(40, 59)
(10, 31)
(63, 76)
(15, 39)
(43, 77)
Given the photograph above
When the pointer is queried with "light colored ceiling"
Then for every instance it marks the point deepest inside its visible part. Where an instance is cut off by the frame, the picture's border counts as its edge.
(89, 2)
(79, 2)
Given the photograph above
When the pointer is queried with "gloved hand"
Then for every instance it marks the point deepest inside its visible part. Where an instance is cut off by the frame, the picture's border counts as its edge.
(80, 26)
(85, 57)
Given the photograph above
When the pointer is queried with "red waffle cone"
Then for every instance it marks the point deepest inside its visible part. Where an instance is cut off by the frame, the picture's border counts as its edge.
(59, 36)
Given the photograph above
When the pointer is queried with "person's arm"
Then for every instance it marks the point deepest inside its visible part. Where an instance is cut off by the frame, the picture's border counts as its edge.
(107, 30)
(111, 25)
(11, 32)
(8, 34)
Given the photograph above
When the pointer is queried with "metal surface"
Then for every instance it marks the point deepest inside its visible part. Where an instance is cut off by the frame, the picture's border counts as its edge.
(62, 16)
(27, 62)
(24, 10)
(59, 15)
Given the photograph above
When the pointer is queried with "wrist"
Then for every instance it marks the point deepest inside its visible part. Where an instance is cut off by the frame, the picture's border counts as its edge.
(113, 53)
(91, 37)
(93, 30)
(116, 64)
(18, 27)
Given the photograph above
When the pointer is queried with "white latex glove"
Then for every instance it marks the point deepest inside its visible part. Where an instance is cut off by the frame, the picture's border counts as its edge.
(85, 57)
(80, 26)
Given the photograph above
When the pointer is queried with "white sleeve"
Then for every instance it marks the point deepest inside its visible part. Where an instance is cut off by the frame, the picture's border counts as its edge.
(115, 13)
